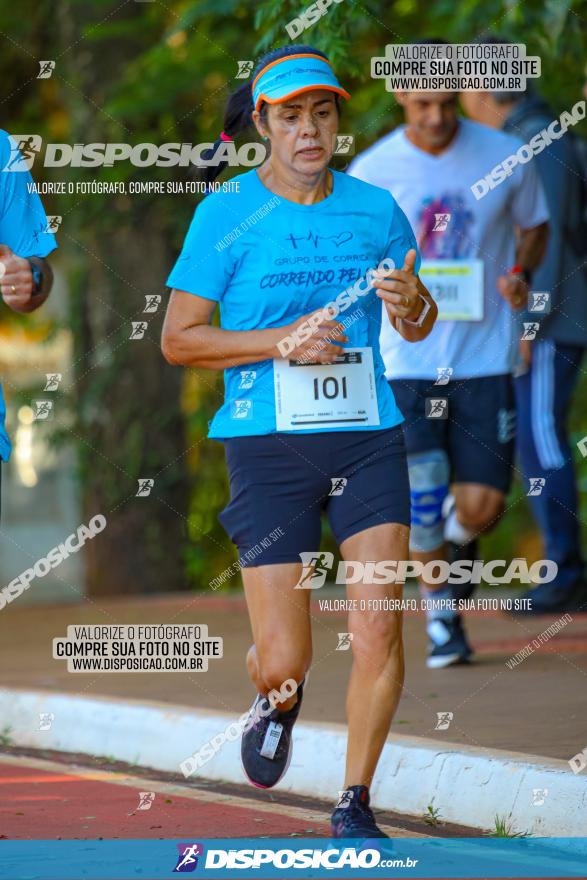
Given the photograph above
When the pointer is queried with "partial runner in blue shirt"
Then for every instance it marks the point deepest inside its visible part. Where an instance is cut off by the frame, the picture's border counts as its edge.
(25, 276)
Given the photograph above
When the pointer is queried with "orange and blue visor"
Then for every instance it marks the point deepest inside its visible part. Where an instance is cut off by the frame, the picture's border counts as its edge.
(293, 75)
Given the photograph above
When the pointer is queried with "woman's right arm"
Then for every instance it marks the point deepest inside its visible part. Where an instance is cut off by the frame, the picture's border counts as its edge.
(189, 340)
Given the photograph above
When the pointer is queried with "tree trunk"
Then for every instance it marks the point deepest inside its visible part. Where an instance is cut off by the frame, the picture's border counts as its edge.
(127, 404)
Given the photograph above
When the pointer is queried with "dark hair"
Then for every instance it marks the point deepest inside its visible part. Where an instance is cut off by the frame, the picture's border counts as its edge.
(504, 97)
(430, 41)
(239, 107)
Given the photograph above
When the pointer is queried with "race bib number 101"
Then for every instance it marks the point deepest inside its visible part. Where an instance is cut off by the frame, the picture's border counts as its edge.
(337, 395)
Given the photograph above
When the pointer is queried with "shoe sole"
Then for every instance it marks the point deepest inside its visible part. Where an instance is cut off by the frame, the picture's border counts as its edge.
(446, 660)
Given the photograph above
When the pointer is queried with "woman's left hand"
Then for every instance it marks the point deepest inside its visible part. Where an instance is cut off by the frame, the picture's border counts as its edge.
(404, 296)
(400, 290)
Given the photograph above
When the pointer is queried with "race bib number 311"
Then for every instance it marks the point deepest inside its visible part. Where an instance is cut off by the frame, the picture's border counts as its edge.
(337, 395)
(457, 287)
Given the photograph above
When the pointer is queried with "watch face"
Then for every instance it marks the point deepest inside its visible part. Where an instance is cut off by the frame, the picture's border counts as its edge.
(37, 275)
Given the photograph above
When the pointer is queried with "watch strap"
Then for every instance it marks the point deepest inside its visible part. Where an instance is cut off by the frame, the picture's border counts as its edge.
(422, 316)
(37, 277)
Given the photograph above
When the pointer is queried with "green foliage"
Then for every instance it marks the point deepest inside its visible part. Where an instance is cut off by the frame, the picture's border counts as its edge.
(504, 828)
(432, 814)
(5, 737)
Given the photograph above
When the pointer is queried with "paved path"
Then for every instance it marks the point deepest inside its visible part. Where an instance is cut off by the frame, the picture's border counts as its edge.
(537, 706)
(42, 799)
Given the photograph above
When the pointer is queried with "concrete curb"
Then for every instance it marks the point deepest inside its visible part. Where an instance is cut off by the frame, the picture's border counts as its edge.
(468, 786)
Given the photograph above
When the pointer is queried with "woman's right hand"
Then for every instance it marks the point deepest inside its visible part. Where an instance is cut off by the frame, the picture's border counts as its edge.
(315, 338)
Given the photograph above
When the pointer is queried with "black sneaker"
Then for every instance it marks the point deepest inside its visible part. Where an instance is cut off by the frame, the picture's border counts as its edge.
(447, 643)
(267, 744)
(353, 816)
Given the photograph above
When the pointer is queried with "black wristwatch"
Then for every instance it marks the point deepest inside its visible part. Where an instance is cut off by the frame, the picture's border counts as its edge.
(37, 278)
(527, 276)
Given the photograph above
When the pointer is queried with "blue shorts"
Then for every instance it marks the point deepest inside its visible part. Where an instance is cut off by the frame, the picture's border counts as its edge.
(478, 435)
(281, 483)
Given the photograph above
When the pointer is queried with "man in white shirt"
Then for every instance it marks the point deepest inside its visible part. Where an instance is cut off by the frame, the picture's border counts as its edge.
(455, 389)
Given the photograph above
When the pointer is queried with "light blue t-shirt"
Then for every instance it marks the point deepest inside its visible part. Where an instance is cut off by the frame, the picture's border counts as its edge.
(268, 261)
(22, 228)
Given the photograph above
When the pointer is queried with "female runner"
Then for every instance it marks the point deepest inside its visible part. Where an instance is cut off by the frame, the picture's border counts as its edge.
(306, 400)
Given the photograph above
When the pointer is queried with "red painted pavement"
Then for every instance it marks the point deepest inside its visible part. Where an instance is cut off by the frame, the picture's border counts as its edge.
(35, 804)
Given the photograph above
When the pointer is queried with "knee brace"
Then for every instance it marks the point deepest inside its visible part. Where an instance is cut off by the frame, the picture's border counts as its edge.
(429, 479)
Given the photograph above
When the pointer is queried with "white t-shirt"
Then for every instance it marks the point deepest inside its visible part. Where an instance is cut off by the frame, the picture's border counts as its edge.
(424, 186)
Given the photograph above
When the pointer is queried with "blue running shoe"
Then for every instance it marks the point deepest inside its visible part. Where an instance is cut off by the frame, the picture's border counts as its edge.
(353, 816)
(267, 742)
(447, 643)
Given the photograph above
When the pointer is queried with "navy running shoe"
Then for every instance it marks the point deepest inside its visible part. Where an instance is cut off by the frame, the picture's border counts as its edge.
(447, 643)
(267, 742)
(353, 816)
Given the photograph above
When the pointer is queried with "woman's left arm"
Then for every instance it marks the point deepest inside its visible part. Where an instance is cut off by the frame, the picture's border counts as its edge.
(410, 307)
